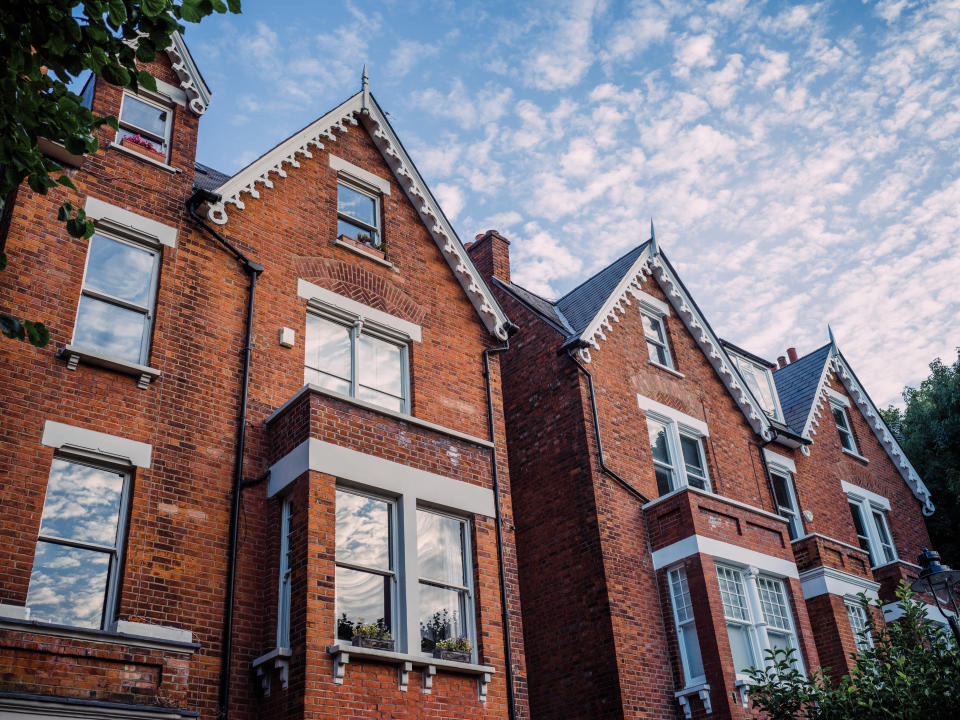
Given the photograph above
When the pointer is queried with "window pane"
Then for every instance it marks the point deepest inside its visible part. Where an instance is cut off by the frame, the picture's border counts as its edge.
(782, 641)
(378, 398)
(652, 327)
(68, 586)
(688, 637)
(664, 480)
(440, 548)
(740, 646)
(858, 524)
(839, 418)
(379, 365)
(315, 377)
(442, 615)
(360, 234)
(781, 491)
(328, 350)
(82, 503)
(681, 595)
(693, 459)
(361, 597)
(357, 205)
(144, 116)
(756, 380)
(120, 270)
(658, 442)
(363, 531)
(884, 536)
(657, 353)
(115, 331)
(732, 594)
(858, 623)
(773, 603)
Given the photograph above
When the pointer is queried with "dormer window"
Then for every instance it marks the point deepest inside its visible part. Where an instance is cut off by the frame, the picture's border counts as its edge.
(358, 214)
(760, 381)
(145, 127)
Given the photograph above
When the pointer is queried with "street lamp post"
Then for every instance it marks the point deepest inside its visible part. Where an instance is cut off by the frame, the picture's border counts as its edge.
(934, 578)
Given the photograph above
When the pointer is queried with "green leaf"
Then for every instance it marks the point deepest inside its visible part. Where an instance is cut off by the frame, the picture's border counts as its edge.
(37, 333)
(234, 6)
(66, 182)
(11, 327)
(190, 11)
(64, 212)
(146, 80)
(152, 8)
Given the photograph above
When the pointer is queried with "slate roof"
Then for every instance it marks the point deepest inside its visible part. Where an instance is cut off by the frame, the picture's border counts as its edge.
(580, 305)
(206, 178)
(797, 385)
(538, 304)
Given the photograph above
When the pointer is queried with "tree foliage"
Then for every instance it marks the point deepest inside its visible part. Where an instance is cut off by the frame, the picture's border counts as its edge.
(912, 672)
(45, 45)
(928, 429)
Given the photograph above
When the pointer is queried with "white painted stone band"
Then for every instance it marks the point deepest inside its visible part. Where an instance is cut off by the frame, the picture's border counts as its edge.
(877, 501)
(775, 458)
(695, 544)
(823, 580)
(358, 173)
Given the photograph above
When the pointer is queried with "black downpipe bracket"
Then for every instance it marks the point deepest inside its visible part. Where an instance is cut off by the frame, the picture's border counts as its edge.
(508, 655)
(253, 271)
(596, 429)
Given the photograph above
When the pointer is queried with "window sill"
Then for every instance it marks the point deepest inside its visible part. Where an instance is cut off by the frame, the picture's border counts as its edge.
(155, 163)
(856, 456)
(701, 690)
(278, 658)
(144, 374)
(99, 636)
(666, 369)
(370, 254)
(59, 153)
(344, 653)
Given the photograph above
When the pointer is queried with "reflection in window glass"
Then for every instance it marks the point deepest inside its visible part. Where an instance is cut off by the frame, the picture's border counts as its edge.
(76, 585)
(693, 461)
(445, 604)
(120, 270)
(144, 115)
(364, 558)
(656, 339)
(328, 354)
(686, 628)
(660, 450)
(379, 366)
(357, 215)
(843, 428)
(786, 507)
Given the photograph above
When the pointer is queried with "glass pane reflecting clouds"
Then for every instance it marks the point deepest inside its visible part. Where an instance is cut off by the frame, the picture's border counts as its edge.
(379, 364)
(116, 331)
(688, 636)
(315, 377)
(378, 398)
(356, 205)
(740, 647)
(328, 349)
(68, 585)
(442, 615)
(362, 596)
(440, 548)
(363, 531)
(144, 116)
(82, 503)
(658, 441)
(355, 231)
(120, 270)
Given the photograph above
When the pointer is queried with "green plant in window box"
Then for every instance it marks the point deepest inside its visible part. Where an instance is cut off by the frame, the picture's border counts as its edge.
(372, 635)
(458, 648)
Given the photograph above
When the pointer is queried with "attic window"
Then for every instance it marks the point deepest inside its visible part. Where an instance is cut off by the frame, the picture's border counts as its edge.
(358, 214)
(145, 127)
(760, 381)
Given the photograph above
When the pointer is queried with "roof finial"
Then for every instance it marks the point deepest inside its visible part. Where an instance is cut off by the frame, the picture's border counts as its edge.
(653, 240)
(833, 342)
(364, 88)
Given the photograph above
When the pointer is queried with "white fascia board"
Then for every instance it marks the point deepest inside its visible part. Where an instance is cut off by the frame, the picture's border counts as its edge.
(111, 215)
(836, 398)
(308, 291)
(61, 436)
(698, 544)
(878, 501)
(818, 397)
(358, 173)
(379, 474)
(880, 430)
(776, 459)
(191, 81)
(669, 413)
(822, 580)
(16, 612)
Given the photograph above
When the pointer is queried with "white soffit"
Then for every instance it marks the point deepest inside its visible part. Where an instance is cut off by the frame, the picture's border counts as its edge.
(362, 107)
(61, 436)
(308, 291)
(822, 580)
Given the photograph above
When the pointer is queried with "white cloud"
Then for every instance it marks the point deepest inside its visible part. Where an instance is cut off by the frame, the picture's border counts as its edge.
(564, 55)
(407, 54)
(451, 199)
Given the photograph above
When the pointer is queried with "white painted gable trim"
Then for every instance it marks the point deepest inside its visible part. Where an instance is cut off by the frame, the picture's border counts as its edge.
(358, 173)
(822, 580)
(667, 412)
(61, 436)
(106, 215)
(363, 107)
(191, 81)
(309, 291)
(379, 474)
(698, 544)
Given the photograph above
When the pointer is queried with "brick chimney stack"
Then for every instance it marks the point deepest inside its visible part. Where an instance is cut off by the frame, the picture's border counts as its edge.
(781, 362)
(792, 354)
(490, 252)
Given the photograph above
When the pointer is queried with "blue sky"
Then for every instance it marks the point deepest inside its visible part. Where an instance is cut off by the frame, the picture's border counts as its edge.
(800, 160)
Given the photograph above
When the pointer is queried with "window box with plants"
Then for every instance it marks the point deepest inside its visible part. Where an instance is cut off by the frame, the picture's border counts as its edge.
(457, 649)
(372, 635)
(142, 146)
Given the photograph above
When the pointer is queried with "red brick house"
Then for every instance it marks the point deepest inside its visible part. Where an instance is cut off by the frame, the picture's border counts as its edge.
(269, 420)
(682, 505)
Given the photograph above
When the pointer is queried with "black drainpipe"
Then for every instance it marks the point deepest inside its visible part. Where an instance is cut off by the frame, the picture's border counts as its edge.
(508, 655)
(253, 270)
(596, 427)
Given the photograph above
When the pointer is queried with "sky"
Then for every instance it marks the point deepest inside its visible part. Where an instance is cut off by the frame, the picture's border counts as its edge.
(801, 161)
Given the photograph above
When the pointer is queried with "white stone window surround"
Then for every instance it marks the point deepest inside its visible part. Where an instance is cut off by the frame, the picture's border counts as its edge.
(410, 487)
(678, 424)
(869, 503)
(822, 580)
(127, 222)
(323, 298)
(111, 448)
(374, 183)
(158, 101)
(695, 425)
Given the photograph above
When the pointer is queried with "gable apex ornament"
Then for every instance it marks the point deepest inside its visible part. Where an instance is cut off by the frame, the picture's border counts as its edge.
(364, 90)
(834, 350)
(654, 248)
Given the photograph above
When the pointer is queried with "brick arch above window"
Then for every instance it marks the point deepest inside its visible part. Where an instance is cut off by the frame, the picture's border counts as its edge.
(361, 285)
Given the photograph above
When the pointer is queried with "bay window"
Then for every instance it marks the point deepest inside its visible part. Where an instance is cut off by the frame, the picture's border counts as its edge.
(857, 613)
(687, 639)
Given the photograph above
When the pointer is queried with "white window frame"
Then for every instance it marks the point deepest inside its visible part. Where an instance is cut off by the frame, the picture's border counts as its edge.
(856, 608)
(467, 589)
(357, 327)
(147, 134)
(111, 593)
(149, 310)
(757, 622)
(682, 627)
(871, 505)
(283, 592)
(844, 430)
(739, 361)
(793, 515)
(654, 314)
(375, 195)
(674, 430)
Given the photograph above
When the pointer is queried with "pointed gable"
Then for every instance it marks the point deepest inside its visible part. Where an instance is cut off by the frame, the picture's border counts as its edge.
(363, 109)
(798, 384)
(581, 305)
